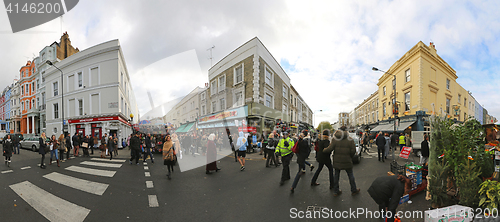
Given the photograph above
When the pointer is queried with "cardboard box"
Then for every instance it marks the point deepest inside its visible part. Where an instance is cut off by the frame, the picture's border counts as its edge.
(455, 213)
(404, 199)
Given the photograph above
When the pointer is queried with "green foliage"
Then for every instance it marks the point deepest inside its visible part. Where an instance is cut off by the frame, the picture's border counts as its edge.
(489, 193)
(324, 125)
(469, 182)
(437, 183)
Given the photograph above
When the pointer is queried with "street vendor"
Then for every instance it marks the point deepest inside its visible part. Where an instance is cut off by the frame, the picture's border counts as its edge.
(386, 192)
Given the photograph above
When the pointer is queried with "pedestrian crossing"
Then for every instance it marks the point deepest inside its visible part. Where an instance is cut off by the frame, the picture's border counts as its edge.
(55, 208)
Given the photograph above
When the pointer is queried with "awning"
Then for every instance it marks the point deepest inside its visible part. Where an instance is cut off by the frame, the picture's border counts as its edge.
(188, 128)
(179, 130)
(381, 127)
(402, 126)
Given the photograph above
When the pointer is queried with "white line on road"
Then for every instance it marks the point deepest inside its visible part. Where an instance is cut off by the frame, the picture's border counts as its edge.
(108, 160)
(104, 173)
(51, 207)
(112, 165)
(25, 168)
(147, 174)
(8, 171)
(79, 184)
(153, 201)
(146, 168)
(149, 184)
(145, 163)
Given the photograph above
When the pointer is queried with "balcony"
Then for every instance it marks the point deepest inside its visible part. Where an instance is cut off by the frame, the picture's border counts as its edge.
(42, 107)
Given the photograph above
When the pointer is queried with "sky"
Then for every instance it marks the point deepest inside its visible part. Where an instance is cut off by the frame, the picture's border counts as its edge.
(326, 47)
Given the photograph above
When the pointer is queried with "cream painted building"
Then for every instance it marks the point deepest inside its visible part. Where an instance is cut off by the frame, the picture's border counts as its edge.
(367, 111)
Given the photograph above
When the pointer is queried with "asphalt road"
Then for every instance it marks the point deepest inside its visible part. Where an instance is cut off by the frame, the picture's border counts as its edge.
(130, 193)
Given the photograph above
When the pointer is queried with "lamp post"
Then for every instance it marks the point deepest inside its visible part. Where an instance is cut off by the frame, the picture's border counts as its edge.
(314, 116)
(62, 93)
(394, 103)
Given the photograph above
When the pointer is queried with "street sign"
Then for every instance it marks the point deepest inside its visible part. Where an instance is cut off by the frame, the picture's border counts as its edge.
(405, 153)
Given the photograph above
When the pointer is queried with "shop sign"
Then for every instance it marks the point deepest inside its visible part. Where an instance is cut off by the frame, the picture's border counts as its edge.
(405, 153)
(98, 119)
(229, 114)
(248, 129)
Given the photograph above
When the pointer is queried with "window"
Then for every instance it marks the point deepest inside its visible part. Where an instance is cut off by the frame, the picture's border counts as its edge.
(238, 74)
(213, 89)
(37, 84)
(459, 98)
(56, 88)
(238, 98)
(222, 83)
(80, 79)
(384, 90)
(447, 105)
(269, 77)
(27, 89)
(284, 91)
(407, 101)
(121, 80)
(222, 104)
(203, 110)
(407, 75)
(22, 105)
(56, 111)
(80, 107)
(22, 90)
(33, 87)
(465, 116)
(203, 96)
(465, 102)
(447, 84)
(214, 106)
(269, 101)
(384, 109)
(284, 109)
(33, 105)
(123, 104)
(393, 85)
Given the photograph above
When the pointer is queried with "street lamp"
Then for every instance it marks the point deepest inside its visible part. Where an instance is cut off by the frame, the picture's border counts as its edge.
(314, 117)
(62, 93)
(394, 103)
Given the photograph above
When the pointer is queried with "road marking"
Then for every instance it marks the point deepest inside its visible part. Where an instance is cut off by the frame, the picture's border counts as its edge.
(112, 165)
(24, 168)
(50, 206)
(108, 160)
(149, 184)
(8, 171)
(77, 183)
(147, 174)
(104, 173)
(145, 163)
(72, 157)
(146, 168)
(153, 201)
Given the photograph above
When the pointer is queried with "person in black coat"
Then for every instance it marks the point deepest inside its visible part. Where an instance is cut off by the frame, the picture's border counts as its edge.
(386, 192)
(68, 145)
(76, 144)
(303, 153)
(42, 141)
(8, 145)
(135, 146)
(380, 141)
(323, 159)
(424, 150)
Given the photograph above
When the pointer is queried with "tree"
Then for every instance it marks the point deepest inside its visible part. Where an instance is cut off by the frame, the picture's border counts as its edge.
(324, 125)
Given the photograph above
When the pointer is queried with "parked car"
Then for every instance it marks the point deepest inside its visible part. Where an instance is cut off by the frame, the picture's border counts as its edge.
(357, 156)
(30, 144)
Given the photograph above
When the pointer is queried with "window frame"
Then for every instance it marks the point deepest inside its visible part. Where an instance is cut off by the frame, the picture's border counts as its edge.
(407, 75)
(223, 86)
(55, 88)
(222, 103)
(212, 91)
(55, 112)
(407, 101)
(271, 80)
(271, 105)
(384, 90)
(235, 77)
(79, 79)
(448, 83)
(448, 103)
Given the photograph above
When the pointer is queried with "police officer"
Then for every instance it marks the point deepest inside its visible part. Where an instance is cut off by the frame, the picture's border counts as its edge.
(285, 149)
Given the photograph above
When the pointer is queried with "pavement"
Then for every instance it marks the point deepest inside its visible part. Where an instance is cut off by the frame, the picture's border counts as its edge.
(144, 193)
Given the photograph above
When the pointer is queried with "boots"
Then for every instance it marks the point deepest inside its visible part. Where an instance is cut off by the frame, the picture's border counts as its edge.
(58, 163)
(50, 162)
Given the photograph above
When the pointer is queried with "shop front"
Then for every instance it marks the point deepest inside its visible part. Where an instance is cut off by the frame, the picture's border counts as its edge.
(99, 125)
(265, 119)
(231, 119)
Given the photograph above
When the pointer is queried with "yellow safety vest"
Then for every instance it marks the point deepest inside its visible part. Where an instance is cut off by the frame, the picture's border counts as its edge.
(281, 146)
(402, 140)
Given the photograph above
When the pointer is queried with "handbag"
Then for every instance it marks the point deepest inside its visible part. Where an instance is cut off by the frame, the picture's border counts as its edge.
(295, 148)
(46, 149)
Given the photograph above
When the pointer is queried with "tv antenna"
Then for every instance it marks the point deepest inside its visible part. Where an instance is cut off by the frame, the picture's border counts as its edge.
(211, 48)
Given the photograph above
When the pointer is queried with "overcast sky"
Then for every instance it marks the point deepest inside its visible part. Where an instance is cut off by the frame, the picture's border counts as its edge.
(326, 47)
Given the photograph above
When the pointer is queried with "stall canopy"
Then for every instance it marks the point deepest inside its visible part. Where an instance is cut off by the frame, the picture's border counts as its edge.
(390, 127)
(185, 128)
(179, 130)
(402, 126)
(382, 127)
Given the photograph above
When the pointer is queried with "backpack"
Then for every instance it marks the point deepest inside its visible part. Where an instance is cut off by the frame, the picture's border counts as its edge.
(295, 148)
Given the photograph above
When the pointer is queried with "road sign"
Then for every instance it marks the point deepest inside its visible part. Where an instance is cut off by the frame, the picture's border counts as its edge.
(405, 153)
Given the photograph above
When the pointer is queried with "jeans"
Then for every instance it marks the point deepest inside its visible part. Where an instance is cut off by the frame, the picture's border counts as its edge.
(285, 174)
(401, 147)
(147, 153)
(135, 154)
(270, 157)
(299, 173)
(351, 180)
(18, 148)
(52, 153)
(381, 153)
(330, 173)
(43, 159)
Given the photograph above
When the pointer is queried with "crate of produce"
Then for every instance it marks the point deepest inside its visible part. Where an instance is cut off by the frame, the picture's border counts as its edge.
(398, 169)
(413, 167)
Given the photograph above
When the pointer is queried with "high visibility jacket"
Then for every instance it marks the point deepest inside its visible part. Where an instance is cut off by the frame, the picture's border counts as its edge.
(281, 146)
(402, 139)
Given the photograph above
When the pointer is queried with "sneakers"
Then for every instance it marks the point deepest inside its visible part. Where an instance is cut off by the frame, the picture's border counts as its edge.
(242, 168)
(337, 194)
(356, 192)
(312, 167)
(130, 161)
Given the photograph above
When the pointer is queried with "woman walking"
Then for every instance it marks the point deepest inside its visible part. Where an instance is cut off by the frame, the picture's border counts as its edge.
(169, 155)
(323, 159)
(54, 145)
(62, 147)
(42, 141)
(211, 155)
(111, 147)
(7, 150)
(303, 153)
(270, 148)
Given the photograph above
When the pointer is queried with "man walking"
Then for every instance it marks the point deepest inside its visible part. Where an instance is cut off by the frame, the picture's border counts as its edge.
(135, 146)
(424, 156)
(241, 145)
(402, 141)
(344, 149)
(285, 149)
(147, 151)
(380, 141)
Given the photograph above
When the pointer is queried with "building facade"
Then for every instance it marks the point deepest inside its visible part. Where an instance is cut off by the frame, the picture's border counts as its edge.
(367, 111)
(344, 119)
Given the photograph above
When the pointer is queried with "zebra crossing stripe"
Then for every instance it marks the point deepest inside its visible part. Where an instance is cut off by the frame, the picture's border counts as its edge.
(149, 184)
(146, 168)
(104, 173)
(108, 160)
(7, 171)
(112, 165)
(48, 205)
(153, 201)
(25, 168)
(147, 174)
(77, 183)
